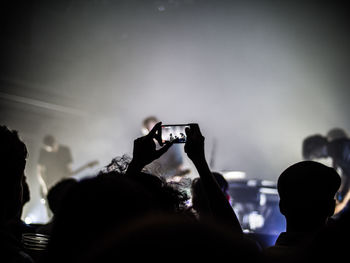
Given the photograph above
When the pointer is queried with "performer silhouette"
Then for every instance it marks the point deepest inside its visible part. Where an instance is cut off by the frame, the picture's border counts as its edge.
(336, 146)
(54, 164)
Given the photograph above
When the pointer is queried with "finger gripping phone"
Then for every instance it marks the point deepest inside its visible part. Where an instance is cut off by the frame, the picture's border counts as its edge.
(174, 132)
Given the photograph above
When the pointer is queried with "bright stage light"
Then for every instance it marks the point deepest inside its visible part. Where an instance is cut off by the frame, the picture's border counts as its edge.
(28, 220)
(233, 175)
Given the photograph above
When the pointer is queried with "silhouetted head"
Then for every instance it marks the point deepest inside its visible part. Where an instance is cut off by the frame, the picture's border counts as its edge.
(199, 199)
(89, 209)
(314, 146)
(336, 133)
(198, 196)
(307, 191)
(57, 192)
(13, 154)
(168, 195)
(165, 196)
(93, 206)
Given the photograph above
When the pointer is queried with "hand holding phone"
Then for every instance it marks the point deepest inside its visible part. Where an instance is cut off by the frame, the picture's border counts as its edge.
(194, 146)
(145, 150)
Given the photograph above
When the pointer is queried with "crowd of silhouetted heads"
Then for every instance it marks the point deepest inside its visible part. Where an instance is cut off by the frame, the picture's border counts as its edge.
(125, 213)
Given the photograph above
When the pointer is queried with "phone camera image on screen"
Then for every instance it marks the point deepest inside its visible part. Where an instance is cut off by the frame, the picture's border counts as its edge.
(172, 132)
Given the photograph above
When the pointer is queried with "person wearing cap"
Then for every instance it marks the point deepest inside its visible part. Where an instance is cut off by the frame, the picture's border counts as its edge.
(306, 190)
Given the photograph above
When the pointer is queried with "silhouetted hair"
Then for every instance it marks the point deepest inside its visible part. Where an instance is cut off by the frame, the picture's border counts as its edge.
(118, 164)
(166, 196)
(13, 151)
(199, 199)
(311, 143)
(166, 192)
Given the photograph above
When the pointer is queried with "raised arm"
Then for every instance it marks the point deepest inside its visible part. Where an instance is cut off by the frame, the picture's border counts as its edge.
(145, 151)
(220, 208)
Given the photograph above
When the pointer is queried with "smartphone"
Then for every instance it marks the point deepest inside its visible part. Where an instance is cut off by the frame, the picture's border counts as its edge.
(171, 132)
